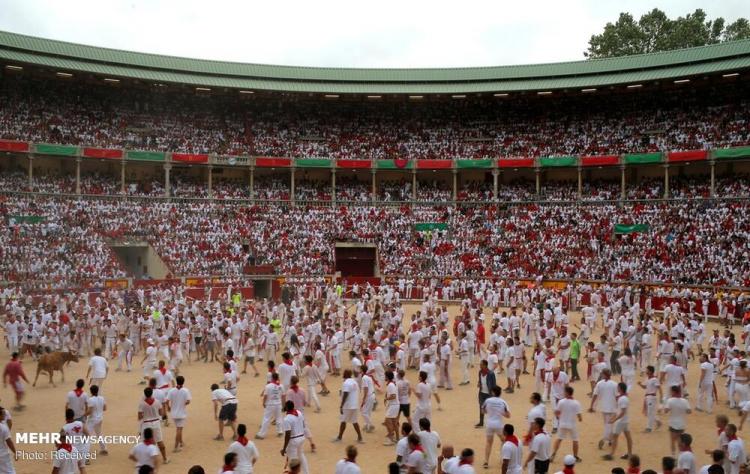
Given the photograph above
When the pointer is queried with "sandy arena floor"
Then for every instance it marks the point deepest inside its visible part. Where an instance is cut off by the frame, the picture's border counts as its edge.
(455, 424)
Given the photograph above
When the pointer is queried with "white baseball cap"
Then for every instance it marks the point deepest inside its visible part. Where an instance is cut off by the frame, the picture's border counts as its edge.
(569, 460)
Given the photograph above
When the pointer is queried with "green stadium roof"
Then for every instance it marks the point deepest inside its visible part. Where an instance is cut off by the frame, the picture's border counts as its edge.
(76, 58)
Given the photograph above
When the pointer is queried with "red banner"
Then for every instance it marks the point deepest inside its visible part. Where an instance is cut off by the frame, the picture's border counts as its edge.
(604, 160)
(691, 155)
(267, 162)
(102, 153)
(10, 145)
(354, 164)
(189, 158)
(434, 164)
(515, 163)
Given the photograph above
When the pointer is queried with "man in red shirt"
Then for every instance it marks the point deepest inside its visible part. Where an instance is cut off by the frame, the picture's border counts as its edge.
(14, 373)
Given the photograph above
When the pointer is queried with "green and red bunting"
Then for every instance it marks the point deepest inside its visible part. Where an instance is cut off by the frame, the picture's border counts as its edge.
(600, 160)
(272, 162)
(354, 164)
(515, 163)
(14, 146)
(190, 158)
(111, 154)
(690, 155)
(434, 164)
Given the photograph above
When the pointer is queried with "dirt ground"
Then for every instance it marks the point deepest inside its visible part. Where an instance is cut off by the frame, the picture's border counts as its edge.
(455, 424)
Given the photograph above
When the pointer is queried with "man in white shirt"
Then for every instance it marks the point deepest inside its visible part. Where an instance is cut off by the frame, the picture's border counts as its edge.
(677, 407)
(76, 401)
(178, 398)
(349, 408)
(705, 386)
(95, 408)
(621, 423)
(124, 353)
(430, 441)
(150, 411)
(686, 458)
(348, 465)
(98, 369)
(294, 435)
(511, 454)
(673, 374)
(605, 392)
(556, 381)
(568, 412)
(145, 453)
(225, 409)
(7, 448)
(736, 454)
(68, 460)
(495, 409)
(539, 450)
(245, 450)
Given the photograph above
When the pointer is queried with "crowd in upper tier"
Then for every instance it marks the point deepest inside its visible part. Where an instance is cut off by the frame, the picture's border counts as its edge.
(168, 119)
(278, 188)
(688, 241)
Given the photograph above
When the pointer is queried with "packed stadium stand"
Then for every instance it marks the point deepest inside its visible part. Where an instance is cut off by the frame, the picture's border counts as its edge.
(630, 169)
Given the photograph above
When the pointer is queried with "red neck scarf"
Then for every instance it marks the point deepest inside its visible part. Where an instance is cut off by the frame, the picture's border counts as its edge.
(568, 470)
(484, 371)
(295, 388)
(163, 370)
(634, 470)
(227, 468)
(275, 382)
(270, 371)
(242, 440)
(418, 448)
(512, 439)
(66, 446)
(463, 462)
(78, 392)
(149, 400)
(288, 361)
(292, 412)
(148, 442)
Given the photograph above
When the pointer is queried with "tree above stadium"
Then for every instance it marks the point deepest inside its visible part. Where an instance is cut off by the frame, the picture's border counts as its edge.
(655, 32)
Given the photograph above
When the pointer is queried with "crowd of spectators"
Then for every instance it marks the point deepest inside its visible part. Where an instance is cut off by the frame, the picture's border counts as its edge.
(277, 188)
(169, 118)
(687, 241)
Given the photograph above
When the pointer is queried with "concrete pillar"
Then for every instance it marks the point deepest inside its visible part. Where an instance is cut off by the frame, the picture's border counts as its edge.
(374, 185)
(252, 183)
(455, 186)
(122, 178)
(291, 189)
(210, 182)
(31, 172)
(580, 183)
(414, 183)
(712, 164)
(333, 186)
(538, 181)
(666, 181)
(167, 186)
(623, 190)
(495, 175)
(78, 176)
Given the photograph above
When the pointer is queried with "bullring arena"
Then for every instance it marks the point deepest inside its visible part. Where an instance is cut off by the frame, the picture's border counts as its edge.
(434, 214)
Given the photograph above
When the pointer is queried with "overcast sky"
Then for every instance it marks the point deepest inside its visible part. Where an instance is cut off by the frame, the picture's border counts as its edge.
(385, 33)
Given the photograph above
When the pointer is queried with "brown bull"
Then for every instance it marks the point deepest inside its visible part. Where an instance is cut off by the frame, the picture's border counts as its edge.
(54, 361)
